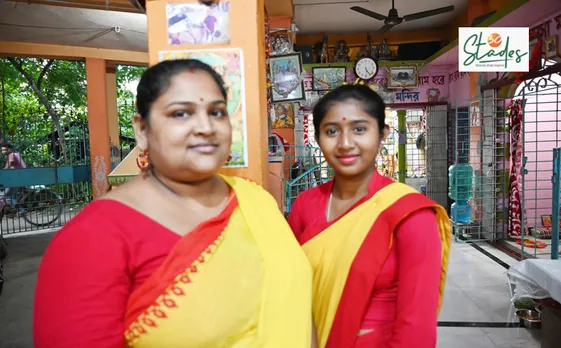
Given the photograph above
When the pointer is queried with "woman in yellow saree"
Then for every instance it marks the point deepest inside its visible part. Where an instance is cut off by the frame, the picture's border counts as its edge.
(179, 256)
(378, 248)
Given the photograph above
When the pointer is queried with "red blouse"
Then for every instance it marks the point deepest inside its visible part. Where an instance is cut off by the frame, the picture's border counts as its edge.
(88, 272)
(405, 298)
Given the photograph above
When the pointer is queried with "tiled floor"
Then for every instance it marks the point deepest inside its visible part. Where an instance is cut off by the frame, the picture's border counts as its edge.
(477, 294)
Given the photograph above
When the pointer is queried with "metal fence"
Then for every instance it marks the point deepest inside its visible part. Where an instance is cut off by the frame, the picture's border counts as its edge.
(539, 139)
(481, 141)
(555, 203)
(57, 181)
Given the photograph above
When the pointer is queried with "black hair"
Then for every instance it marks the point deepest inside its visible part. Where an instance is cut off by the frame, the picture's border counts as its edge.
(156, 80)
(371, 103)
(8, 146)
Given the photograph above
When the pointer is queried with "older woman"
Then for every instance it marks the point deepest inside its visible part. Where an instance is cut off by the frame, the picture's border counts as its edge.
(180, 256)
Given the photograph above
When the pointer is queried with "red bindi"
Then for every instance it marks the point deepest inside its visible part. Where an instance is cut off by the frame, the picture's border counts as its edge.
(202, 99)
(344, 118)
(191, 70)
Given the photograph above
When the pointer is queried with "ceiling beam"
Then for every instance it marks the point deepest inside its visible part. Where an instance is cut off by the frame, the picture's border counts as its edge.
(123, 6)
(34, 50)
(279, 8)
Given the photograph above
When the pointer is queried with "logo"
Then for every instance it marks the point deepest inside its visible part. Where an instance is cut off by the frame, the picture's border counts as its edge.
(494, 40)
(493, 50)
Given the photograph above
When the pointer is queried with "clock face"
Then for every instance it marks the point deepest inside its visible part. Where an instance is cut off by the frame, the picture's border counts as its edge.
(366, 68)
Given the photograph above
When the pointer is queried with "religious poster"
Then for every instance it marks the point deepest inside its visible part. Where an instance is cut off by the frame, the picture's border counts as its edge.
(283, 115)
(198, 24)
(229, 63)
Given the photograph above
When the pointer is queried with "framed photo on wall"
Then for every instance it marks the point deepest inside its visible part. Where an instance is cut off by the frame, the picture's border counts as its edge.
(327, 79)
(551, 47)
(402, 77)
(287, 79)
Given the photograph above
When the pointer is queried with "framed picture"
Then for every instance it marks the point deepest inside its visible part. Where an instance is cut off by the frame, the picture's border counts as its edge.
(551, 47)
(287, 80)
(327, 79)
(198, 24)
(281, 42)
(533, 43)
(546, 220)
(402, 77)
(283, 115)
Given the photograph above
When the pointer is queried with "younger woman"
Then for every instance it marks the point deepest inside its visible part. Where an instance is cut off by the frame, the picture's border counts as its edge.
(378, 248)
(179, 256)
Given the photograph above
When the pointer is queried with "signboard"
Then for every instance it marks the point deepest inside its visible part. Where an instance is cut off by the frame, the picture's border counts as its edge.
(493, 49)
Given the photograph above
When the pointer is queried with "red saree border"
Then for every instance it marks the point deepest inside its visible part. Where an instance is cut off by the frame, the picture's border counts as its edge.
(191, 249)
(366, 267)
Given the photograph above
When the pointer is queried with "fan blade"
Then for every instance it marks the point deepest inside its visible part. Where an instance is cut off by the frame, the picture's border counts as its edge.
(428, 13)
(384, 29)
(368, 13)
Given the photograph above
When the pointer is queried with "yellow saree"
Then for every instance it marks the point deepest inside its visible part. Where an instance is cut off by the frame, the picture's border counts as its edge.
(241, 281)
(362, 239)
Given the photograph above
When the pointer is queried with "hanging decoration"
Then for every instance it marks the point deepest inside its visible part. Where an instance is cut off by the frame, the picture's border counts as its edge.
(516, 172)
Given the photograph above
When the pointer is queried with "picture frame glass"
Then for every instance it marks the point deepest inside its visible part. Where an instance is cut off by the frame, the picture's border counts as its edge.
(402, 77)
(327, 79)
(286, 78)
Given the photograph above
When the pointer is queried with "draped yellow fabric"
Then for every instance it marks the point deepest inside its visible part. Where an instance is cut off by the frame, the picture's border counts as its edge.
(251, 288)
(333, 251)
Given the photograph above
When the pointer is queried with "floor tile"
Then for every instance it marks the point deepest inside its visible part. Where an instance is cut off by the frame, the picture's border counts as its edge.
(458, 306)
(513, 338)
(495, 301)
(452, 337)
(477, 273)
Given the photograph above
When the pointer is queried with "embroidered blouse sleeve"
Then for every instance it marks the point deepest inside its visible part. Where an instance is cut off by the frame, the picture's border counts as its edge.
(82, 288)
(419, 252)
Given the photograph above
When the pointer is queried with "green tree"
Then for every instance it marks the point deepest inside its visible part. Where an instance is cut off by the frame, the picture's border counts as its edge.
(127, 77)
(42, 95)
(54, 83)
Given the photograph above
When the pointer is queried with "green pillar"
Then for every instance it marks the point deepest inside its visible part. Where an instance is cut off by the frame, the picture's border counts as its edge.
(401, 147)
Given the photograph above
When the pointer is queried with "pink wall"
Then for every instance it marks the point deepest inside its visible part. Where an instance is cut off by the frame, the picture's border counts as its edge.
(428, 78)
(458, 89)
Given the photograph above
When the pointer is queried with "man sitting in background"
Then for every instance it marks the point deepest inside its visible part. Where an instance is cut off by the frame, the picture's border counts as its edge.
(13, 161)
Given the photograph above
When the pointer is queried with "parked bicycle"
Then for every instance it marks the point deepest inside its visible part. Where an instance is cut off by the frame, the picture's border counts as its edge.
(37, 205)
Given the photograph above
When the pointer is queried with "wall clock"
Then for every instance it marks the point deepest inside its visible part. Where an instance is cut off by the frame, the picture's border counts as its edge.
(366, 68)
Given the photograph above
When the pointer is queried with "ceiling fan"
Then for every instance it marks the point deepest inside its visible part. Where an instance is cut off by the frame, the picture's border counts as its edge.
(393, 19)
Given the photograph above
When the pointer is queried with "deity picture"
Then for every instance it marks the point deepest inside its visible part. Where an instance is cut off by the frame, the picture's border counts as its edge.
(326, 79)
(229, 63)
(551, 49)
(286, 78)
(281, 42)
(283, 116)
(198, 24)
